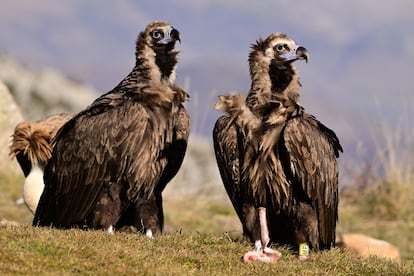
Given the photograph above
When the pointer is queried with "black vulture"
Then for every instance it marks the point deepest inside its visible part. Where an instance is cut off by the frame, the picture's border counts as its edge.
(277, 161)
(111, 162)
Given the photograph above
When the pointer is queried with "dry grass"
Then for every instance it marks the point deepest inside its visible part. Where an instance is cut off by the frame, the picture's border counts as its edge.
(379, 201)
(11, 190)
(355, 217)
(201, 237)
(200, 215)
(27, 250)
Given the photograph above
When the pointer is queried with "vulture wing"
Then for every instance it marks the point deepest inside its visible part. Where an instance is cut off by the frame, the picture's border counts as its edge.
(175, 157)
(177, 149)
(312, 150)
(227, 148)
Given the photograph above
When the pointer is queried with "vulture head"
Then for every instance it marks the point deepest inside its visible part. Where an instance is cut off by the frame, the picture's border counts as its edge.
(280, 49)
(161, 35)
(272, 70)
(158, 39)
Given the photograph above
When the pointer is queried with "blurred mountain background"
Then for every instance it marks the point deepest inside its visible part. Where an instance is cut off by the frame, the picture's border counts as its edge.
(59, 55)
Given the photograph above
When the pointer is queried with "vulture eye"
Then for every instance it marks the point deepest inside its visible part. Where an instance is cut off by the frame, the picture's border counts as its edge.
(156, 34)
(280, 47)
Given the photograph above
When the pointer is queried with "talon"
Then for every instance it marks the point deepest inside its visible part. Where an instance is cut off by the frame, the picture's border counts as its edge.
(148, 233)
(258, 245)
(110, 230)
(270, 251)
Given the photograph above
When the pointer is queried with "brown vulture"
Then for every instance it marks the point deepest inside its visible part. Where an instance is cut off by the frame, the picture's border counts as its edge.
(277, 162)
(111, 162)
(31, 145)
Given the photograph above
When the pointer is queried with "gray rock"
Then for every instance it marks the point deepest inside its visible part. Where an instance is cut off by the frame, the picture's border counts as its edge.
(42, 92)
(199, 175)
(10, 115)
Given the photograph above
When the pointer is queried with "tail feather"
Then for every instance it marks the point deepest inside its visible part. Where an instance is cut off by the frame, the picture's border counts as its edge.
(33, 140)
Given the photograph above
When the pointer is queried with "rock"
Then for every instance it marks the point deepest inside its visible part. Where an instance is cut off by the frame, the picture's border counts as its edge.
(365, 246)
(199, 176)
(10, 115)
(5, 223)
(42, 92)
(31, 94)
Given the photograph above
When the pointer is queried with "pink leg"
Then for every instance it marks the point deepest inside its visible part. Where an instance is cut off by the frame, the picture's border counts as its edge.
(262, 252)
(264, 231)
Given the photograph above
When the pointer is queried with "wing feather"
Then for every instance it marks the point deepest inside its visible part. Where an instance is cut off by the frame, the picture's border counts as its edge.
(312, 150)
(96, 162)
(227, 148)
(177, 148)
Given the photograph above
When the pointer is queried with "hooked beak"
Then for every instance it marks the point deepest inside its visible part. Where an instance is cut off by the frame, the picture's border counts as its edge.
(171, 35)
(297, 52)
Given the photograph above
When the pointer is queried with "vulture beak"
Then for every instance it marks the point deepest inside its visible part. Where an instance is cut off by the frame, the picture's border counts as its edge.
(171, 35)
(297, 52)
(175, 35)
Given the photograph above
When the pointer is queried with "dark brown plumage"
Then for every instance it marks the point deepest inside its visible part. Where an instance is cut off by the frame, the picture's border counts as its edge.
(274, 155)
(112, 161)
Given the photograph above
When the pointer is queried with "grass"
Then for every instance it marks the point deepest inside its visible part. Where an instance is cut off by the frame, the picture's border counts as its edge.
(11, 190)
(27, 250)
(201, 237)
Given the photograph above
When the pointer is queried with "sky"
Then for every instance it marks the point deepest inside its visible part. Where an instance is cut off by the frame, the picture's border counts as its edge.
(359, 76)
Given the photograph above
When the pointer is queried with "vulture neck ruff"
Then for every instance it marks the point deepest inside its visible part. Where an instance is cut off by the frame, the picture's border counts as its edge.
(274, 82)
(154, 73)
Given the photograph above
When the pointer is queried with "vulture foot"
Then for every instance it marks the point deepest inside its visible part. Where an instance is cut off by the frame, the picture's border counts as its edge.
(262, 253)
(110, 230)
(148, 233)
